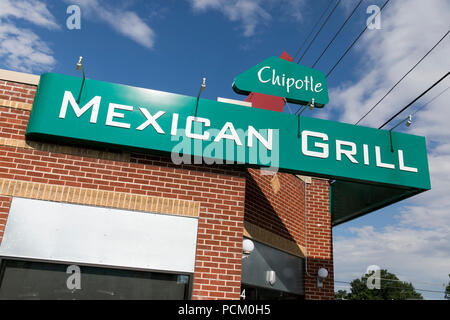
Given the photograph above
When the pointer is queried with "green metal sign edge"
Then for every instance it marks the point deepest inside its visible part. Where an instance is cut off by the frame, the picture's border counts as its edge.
(39, 125)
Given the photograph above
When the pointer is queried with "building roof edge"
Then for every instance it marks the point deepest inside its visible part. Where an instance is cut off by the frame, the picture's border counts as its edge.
(20, 77)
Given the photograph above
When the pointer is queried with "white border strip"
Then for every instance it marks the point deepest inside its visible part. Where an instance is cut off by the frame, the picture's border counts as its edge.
(232, 101)
(20, 77)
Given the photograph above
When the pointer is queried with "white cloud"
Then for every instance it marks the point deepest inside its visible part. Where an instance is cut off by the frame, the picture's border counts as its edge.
(251, 13)
(417, 256)
(33, 11)
(443, 149)
(417, 246)
(21, 49)
(125, 22)
(389, 53)
(247, 12)
(293, 8)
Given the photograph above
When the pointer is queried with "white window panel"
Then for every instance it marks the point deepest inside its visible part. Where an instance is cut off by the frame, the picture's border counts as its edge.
(53, 231)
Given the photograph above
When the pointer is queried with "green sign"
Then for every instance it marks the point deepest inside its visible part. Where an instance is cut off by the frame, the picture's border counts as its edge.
(278, 77)
(143, 119)
(112, 115)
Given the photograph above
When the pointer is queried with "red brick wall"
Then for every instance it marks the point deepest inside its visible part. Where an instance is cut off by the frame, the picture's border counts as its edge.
(220, 191)
(283, 214)
(13, 123)
(319, 240)
(5, 203)
(17, 91)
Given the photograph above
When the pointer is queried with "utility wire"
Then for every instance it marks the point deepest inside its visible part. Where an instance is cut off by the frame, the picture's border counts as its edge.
(290, 110)
(403, 77)
(320, 29)
(442, 92)
(337, 33)
(430, 283)
(317, 22)
(416, 289)
(420, 96)
(412, 114)
(353, 43)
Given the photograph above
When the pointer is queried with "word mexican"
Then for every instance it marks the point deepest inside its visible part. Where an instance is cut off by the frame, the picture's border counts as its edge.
(227, 131)
(272, 77)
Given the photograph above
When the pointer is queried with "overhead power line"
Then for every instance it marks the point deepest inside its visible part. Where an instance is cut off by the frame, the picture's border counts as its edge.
(403, 77)
(398, 280)
(384, 286)
(320, 29)
(417, 98)
(437, 96)
(423, 106)
(290, 110)
(354, 41)
(337, 33)
(313, 28)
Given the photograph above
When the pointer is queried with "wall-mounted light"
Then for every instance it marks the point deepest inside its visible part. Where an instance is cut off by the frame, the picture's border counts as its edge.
(247, 247)
(271, 277)
(408, 121)
(202, 88)
(311, 106)
(80, 66)
(322, 274)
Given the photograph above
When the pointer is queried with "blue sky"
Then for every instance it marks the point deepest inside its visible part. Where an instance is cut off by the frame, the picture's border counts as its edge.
(171, 45)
